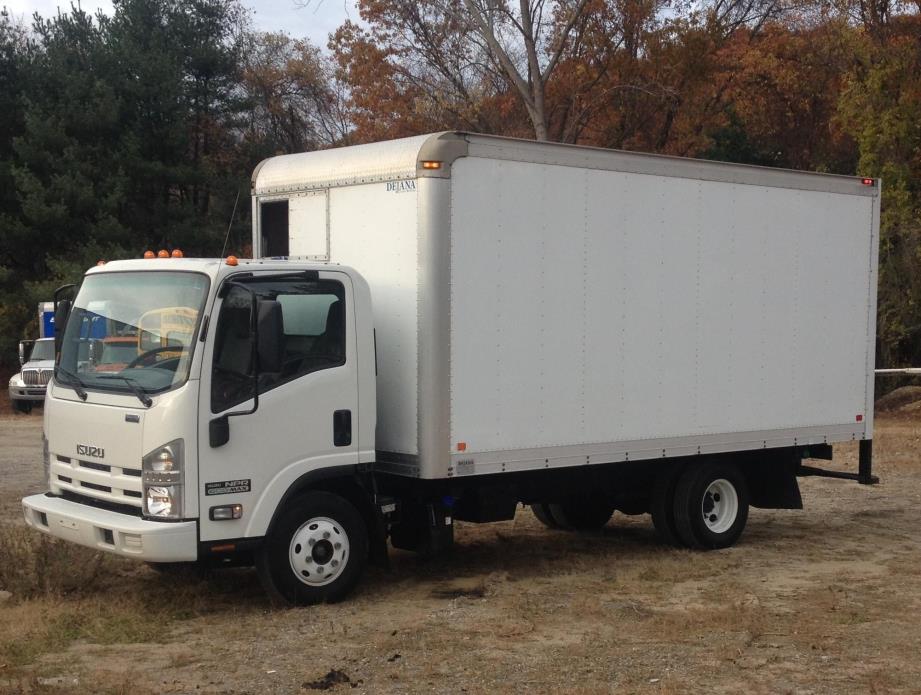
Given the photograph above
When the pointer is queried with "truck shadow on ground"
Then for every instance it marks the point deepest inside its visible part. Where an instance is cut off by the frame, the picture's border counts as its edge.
(527, 551)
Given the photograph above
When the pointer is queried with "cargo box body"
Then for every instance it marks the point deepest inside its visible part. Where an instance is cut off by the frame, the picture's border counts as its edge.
(540, 305)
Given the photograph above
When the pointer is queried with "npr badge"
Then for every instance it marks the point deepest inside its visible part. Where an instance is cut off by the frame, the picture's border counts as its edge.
(227, 487)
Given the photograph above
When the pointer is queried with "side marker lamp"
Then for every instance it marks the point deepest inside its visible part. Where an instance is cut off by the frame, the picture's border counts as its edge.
(227, 512)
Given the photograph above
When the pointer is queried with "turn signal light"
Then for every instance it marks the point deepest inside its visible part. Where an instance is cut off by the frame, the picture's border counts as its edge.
(177, 253)
(231, 260)
(228, 512)
(162, 253)
(431, 165)
(149, 254)
(100, 262)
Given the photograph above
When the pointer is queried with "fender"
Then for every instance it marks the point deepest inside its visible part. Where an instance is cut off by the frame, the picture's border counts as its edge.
(354, 473)
(279, 491)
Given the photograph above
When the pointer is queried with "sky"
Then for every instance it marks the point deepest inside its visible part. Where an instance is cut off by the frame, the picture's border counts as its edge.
(315, 21)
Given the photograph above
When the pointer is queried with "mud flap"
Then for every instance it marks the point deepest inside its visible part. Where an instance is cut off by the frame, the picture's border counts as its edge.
(427, 529)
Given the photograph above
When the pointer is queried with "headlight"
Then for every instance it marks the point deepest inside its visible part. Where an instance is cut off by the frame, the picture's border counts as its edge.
(46, 461)
(163, 481)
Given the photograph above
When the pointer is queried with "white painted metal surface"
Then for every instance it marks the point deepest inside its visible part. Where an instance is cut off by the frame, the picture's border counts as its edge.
(600, 305)
(374, 228)
(290, 434)
(307, 226)
(612, 306)
(152, 541)
(378, 161)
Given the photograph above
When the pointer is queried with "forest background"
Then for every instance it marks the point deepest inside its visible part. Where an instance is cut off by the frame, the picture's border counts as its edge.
(139, 129)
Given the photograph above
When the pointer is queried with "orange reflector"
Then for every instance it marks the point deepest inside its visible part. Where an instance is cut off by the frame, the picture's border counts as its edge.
(860, 418)
(162, 253)
(177, 253)
(431, 165)
(226, 548)
(149, 254)
(462, 446)
(231, 260)
(867, 182)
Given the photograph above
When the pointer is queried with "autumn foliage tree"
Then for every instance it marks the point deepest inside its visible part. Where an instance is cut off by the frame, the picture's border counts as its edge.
(141, 127)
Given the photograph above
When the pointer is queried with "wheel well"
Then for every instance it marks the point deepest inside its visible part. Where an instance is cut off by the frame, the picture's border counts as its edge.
(352, 487)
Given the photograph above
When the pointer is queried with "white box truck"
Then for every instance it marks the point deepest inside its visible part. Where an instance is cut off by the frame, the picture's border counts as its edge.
(446, 326)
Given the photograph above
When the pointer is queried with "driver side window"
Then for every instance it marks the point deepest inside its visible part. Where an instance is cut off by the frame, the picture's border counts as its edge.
(313, 314)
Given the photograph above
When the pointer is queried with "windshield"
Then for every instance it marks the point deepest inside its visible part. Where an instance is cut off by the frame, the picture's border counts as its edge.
(42, 350)
(133, 329)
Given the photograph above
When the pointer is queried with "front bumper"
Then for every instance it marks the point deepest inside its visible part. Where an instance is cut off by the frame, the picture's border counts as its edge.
(153, 541)
(27, 393)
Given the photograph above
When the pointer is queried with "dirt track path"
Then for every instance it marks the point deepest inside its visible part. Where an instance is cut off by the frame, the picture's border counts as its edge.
(821, 601)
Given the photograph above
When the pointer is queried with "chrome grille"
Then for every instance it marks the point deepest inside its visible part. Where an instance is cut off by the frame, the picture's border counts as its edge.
(36, 377)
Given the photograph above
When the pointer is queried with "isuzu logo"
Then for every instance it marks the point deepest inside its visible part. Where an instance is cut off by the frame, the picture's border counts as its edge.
(94, 451)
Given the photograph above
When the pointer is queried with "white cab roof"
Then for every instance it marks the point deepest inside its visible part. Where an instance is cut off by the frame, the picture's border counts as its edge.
(212, 267)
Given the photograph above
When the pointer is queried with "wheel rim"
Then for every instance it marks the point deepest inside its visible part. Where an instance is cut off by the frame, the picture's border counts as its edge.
(318, 551)
(720, 506)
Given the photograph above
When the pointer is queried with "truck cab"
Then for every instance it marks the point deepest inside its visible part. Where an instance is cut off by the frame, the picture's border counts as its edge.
(251, 379)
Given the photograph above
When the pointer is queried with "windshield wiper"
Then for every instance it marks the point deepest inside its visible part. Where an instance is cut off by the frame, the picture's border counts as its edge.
(73, 381)
(135, 387)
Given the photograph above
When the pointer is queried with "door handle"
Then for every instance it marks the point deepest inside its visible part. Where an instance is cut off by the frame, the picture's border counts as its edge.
(342, 427)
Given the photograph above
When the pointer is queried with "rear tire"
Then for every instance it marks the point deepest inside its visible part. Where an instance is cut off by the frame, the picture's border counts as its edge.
(582, 514)
(662, 506)
(316, 552)
(711, 506)
(542, 512)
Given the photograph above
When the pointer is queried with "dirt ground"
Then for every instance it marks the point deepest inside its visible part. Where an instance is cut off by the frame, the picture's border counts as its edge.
(826, 600)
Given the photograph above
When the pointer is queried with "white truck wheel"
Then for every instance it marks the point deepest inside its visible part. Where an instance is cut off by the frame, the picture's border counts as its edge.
(316, 551)
(711, 505)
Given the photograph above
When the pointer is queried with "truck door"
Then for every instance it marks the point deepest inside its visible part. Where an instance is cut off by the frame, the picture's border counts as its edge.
(307, 412)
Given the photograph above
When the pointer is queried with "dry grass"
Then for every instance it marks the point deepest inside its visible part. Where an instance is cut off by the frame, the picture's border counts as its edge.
(821, 601)
(63, 593)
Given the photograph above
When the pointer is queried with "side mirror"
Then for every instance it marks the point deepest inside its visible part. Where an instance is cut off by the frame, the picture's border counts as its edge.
(61, 313)
(271, 334)
(219, 431)
(22, 352)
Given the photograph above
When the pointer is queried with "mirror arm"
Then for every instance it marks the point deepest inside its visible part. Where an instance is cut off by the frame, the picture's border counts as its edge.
(219, 427)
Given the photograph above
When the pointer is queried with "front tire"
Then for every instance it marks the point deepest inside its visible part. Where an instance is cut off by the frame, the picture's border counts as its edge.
(22, 406)
(711, 506)
(316, 552)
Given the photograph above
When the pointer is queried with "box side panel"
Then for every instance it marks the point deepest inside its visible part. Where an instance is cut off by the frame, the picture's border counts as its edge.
(373, 228)
(593, 306)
